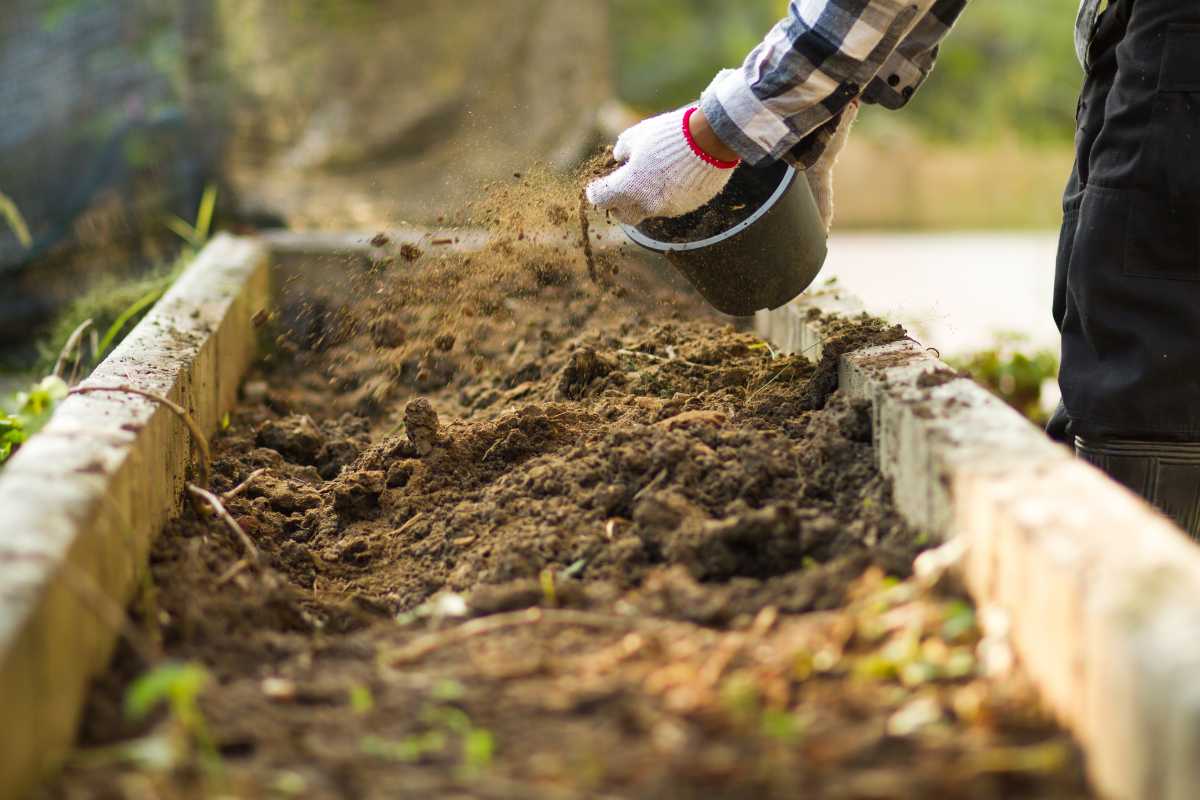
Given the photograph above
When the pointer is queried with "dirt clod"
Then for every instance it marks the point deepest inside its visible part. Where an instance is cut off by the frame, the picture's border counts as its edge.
(421, 425)
(296, 438)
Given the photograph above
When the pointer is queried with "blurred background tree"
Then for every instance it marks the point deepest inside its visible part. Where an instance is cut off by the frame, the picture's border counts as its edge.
(1008, 69)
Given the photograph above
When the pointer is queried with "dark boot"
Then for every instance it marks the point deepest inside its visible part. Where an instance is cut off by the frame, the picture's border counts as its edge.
(1167, 474)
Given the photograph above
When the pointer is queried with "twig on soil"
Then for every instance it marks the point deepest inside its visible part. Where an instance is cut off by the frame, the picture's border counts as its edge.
(197, 434)
(241, 487)
(520, 345)
(238, 568)
(433, 642)
(411, 521)
(663, 359)
(218, 508)
(74, 345)
(774, 378)
(654, 483)
(488, 452)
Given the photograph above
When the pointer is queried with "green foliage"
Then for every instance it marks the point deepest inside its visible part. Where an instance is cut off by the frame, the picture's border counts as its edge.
(134, 310)
(114, 306)
(10, 212)
(28, 412)
(444, 725)
(178, 687)
(196, 234)
(106, 303)
(1012, 374)
(1007, 68)
(362, 702)
(667, 51)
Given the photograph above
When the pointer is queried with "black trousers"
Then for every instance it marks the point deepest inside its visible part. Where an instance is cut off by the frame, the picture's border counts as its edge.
(1127, 282)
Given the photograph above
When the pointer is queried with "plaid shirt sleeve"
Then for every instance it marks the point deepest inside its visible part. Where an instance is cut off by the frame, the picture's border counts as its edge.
(787, 97)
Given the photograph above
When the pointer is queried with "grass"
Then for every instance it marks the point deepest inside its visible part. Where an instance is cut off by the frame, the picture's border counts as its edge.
(114, 306)
(9, 210)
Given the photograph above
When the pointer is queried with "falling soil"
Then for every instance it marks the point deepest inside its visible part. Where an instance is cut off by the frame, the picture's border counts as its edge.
(598, 167)
(521, 538)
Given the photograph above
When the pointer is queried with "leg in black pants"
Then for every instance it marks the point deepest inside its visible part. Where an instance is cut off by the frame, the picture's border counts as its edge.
(1127, 285)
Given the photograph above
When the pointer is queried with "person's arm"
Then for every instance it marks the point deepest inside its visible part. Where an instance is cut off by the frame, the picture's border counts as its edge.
(785, 102)
(815, 62)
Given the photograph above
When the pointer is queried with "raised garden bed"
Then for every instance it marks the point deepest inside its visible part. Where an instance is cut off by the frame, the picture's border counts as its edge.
(517, 537)
(648, 628)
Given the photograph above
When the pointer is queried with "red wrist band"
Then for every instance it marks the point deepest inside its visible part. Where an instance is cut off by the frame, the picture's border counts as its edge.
(703, 156)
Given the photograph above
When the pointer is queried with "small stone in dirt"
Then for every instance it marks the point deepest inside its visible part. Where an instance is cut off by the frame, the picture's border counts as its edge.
(584, 367)
(296, 438)
(421, 425)
(410, 252)
(379, 240)
(386, 331)
(445, 342)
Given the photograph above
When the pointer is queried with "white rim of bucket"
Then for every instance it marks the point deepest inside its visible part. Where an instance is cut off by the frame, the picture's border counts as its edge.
(637, 237)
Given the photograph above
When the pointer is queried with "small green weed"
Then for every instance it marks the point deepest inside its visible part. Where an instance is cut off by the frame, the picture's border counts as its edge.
(444, 724)
(1011, 373)
(178, 686)
(196, 234)
(28, 412)
(9, 210)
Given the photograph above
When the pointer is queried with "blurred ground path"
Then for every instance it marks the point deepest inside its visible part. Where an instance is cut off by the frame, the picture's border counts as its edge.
(953, 291)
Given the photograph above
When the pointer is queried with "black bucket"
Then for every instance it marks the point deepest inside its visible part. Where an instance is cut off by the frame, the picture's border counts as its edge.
(756, 245)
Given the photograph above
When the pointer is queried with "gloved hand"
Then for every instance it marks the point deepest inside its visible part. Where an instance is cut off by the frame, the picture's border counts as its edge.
(663, 173)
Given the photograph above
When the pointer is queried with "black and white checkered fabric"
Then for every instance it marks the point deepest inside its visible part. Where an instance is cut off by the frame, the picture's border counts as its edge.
(784, 101)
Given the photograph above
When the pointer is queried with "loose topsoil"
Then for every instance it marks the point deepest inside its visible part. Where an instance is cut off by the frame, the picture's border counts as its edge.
(747, 190)
(522, 536)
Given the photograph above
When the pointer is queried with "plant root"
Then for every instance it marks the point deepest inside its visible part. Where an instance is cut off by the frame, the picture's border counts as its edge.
(433, 642)
(241, 487)
(219, 509)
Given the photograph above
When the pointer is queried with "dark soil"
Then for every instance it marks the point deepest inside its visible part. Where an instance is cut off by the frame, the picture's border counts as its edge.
(747, 190)
(521, 538)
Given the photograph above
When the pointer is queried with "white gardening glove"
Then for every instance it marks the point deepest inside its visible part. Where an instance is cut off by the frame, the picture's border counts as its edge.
(663, 172)
(820, 174)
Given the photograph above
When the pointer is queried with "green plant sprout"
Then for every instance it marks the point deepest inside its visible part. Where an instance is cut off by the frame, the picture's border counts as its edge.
(16, 221)
(196, 234)
(178, 686)
(444, 723)
(141, 304)
(29, 411)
